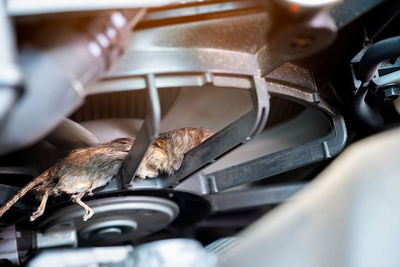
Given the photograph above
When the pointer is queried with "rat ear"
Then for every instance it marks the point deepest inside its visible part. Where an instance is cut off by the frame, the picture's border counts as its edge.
(160, 143)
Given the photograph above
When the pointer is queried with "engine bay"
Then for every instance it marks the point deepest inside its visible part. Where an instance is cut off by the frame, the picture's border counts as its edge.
(285, 85)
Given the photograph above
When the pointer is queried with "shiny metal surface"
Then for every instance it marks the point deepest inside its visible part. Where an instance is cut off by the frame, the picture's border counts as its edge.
(115, 219)
(61, 237)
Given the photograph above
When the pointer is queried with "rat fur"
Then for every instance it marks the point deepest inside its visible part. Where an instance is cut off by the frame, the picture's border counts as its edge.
(86, 169)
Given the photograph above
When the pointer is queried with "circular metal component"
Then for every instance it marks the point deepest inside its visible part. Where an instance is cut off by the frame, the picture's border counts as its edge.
(115, 219)
(108, 230)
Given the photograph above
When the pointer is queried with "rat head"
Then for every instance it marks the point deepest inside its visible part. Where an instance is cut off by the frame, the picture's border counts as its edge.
(165, 156)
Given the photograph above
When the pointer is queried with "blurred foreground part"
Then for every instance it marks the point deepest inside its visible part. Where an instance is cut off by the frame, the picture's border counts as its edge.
(346, 217)
(99, 256)
(164, 253)
(52, 85)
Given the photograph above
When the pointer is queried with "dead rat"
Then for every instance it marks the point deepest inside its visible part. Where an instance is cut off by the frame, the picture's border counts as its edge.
(86, 169)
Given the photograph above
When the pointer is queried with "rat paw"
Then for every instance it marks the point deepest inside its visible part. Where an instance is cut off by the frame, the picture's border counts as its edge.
(88, 214)
(36, 214)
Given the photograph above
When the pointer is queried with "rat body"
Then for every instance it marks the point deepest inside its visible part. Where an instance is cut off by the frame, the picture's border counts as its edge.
(86, 169)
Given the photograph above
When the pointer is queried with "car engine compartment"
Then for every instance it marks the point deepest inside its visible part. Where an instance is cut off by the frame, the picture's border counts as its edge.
(286, 85)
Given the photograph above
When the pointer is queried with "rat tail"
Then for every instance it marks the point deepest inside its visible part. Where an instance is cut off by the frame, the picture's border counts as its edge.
(38, 180)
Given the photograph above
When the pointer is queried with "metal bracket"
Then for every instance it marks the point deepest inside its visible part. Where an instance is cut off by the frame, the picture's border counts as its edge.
(238, 132)
(146, 136)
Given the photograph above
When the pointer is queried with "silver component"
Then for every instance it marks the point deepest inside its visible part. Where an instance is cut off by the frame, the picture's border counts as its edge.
(390, 78)
(100, 256)
(391, 93)
(8, 244)
(173, 252)
(115, 220)
(389, 84)
(62, 237)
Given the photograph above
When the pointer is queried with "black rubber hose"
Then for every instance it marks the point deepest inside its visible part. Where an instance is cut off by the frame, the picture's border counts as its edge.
(375, 55)
(369, 117)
